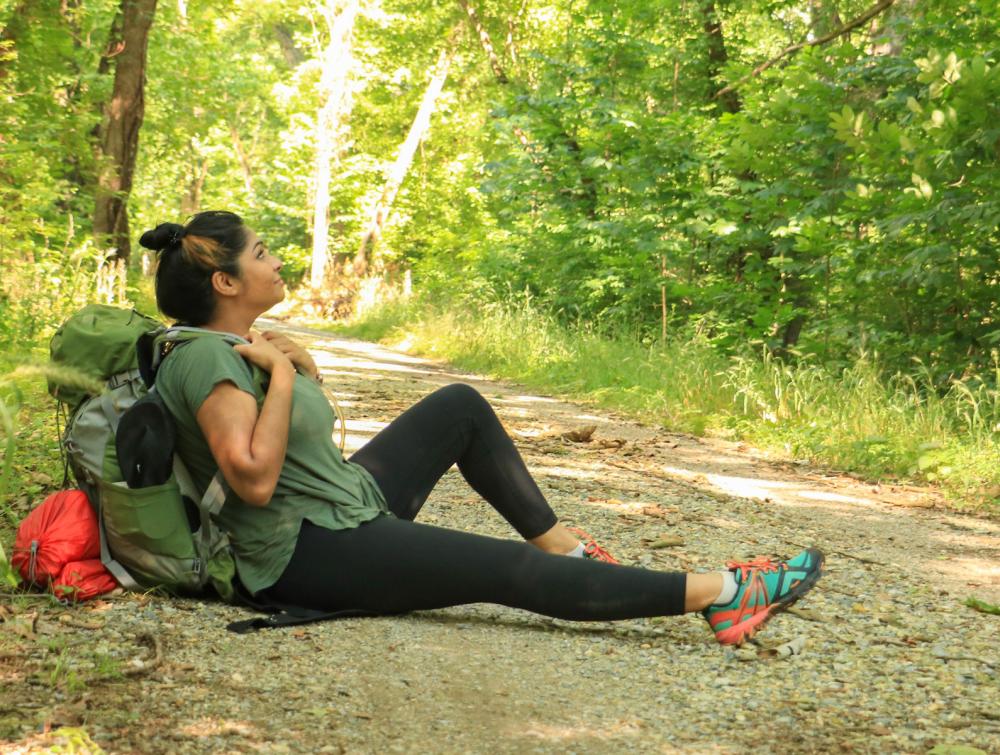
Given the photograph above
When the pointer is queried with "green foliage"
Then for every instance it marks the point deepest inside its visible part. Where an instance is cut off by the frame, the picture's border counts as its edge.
(8, 408)
(9, 579)
(849, 203)
(31, 465)
(845, 202)
(982, 606)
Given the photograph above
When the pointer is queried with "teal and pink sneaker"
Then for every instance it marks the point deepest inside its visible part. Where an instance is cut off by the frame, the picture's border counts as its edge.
(765, 587)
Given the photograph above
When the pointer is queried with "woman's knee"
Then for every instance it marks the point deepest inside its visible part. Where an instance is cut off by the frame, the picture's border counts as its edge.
(462, 397)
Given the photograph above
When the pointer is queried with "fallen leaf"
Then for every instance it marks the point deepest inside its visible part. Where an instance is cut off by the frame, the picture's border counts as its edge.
(655, 510)
(581, 434)
(804, 613)
(667, 541)
(73, 621)
(792, 647)
(913, 503)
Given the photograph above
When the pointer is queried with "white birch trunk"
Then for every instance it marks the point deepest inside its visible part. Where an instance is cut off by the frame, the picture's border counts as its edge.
(335, 97)
(394, 179)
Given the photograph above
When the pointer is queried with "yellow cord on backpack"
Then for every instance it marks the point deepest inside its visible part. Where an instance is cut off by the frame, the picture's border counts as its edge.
(340, 416)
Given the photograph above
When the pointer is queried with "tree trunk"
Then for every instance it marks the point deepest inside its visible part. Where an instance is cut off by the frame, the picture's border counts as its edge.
(335, 96)
(498, 73)
(191, 201)
(799, 292)
(484, 40)
(289, 51)
(510, 43)
(118, 136)
(418, 130)
(887, 37)
(241, 153)
(717, 57)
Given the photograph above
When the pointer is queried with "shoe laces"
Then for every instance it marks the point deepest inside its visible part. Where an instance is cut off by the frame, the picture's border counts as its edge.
(591, 549)
(596, 552)
(761, 564)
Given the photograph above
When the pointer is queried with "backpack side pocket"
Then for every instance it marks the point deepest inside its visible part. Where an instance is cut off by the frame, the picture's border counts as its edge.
(147, 532)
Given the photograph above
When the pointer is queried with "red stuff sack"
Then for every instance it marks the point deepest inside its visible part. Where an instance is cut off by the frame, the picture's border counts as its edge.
(83, 580)
(61, 531)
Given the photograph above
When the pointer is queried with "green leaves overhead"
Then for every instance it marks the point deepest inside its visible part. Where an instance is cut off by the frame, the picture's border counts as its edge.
(847, 198)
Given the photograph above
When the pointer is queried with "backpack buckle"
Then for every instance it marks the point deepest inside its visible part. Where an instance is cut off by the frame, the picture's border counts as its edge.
(116, 381)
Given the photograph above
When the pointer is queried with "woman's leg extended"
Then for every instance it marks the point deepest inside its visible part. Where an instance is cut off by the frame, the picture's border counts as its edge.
(455, 425)
(393, 565)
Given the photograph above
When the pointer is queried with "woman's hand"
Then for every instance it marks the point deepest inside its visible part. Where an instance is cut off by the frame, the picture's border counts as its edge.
(295, 353)
(264, 353)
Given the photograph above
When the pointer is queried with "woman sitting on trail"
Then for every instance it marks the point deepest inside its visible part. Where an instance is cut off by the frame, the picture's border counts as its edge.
(312, 530)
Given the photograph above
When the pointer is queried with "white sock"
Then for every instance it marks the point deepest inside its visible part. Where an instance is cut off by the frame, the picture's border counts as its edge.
(729, 588)
(577, 552)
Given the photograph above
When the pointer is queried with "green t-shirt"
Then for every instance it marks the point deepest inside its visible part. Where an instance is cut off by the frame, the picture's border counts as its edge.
(316, 482)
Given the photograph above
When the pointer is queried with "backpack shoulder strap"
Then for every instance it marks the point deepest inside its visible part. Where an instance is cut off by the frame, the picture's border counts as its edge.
(215, 494)
(155, 346)
(181, 334)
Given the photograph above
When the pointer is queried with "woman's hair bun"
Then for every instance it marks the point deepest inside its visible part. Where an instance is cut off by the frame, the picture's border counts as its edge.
(162, 236)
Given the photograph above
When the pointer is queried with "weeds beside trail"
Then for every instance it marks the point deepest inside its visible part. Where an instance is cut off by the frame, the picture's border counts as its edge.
(853, 419)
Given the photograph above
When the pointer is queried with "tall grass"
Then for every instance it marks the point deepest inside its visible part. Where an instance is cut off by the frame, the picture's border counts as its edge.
(860, 420)
(38, 290)
(857, 419)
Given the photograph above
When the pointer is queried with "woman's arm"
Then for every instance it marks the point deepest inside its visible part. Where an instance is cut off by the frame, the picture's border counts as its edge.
(248, 445)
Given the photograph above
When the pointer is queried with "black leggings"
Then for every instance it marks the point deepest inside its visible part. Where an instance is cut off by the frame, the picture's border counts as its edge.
(392, 565)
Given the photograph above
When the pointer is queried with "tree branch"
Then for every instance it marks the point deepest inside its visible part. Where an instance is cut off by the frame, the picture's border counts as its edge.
(852, 24)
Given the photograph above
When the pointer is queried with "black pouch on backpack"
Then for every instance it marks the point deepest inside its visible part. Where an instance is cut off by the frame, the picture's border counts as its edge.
(145, 443)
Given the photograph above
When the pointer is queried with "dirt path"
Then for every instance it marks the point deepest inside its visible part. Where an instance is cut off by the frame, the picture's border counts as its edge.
(890, 660)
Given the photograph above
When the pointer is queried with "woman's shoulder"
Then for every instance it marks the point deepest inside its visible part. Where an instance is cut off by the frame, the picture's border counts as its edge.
(204, 354)
(194, 367)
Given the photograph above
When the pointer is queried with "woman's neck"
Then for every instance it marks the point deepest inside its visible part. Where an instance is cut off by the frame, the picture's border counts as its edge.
(229, 320)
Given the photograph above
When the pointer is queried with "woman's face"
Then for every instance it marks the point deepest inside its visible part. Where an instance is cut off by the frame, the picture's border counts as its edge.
(259, 274)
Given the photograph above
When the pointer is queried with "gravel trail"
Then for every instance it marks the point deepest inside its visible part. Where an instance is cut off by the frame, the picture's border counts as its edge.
(881, 657)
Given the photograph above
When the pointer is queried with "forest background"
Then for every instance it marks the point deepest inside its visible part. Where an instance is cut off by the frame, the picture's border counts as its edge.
(769, 219)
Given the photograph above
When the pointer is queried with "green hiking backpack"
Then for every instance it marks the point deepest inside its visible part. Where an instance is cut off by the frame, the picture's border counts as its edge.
(148, 538)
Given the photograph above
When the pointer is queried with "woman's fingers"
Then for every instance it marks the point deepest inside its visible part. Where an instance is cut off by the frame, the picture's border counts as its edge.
(261, 352)
(296, 353)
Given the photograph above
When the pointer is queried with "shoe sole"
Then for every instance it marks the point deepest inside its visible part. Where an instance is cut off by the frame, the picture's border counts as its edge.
(740, 633)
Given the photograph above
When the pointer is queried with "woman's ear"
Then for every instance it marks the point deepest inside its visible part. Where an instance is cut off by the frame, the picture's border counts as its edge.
(224, 283)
